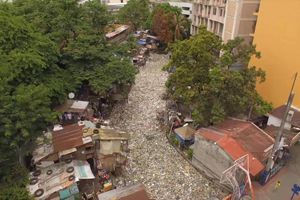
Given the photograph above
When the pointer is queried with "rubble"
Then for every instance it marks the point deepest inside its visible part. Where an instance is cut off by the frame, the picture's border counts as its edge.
(152, 160)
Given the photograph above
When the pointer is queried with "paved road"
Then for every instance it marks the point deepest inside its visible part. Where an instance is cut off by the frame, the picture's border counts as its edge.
(288, 176)
(152, 161)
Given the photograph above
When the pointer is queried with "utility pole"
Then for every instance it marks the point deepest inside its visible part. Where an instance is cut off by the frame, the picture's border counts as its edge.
(280, 131)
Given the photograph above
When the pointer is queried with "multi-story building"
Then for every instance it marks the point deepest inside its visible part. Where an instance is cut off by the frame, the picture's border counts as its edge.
(186, 8)
(277, 38)
(226, 18)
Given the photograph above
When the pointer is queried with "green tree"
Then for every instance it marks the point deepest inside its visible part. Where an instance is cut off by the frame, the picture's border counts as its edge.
(206, 81)
(135, 13)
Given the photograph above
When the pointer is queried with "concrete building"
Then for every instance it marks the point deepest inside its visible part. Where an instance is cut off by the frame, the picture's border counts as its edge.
(217, 147)
(226, 18)
(277, 38)
(186, 8)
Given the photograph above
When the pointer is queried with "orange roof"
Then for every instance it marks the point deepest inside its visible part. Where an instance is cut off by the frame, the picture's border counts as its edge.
(69, 137)
(209, 134)
(238, 138)
(235, 151)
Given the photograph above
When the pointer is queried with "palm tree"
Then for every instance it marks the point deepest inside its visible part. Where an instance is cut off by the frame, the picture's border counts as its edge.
(182, 25)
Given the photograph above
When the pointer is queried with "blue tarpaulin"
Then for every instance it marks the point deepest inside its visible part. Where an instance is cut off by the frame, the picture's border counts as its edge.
(141, 42)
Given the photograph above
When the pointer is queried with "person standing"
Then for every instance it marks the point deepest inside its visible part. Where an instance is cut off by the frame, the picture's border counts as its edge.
(277, 185)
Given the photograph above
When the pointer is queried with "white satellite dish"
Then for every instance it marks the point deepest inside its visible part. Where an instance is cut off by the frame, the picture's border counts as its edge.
(71, 95)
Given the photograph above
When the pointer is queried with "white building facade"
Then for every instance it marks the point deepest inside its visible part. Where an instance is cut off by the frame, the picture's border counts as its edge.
(226, 18)
(186, 8)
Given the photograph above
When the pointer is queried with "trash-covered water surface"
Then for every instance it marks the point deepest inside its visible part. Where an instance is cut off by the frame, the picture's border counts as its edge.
(152, 160)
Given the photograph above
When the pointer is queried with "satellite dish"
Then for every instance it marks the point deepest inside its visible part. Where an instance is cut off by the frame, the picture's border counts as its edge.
(71, 95)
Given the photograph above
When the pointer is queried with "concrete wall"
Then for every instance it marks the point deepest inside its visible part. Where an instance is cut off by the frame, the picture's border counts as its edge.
(276, 122)
(186, 8)
(277, 38)
(211, 156)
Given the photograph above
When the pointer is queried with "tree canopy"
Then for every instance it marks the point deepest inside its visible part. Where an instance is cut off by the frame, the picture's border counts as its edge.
(48, 49)
(135, 13)
(206, 79)
(168, 23)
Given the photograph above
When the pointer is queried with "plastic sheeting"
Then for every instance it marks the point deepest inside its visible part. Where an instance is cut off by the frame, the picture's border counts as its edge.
(110, 147)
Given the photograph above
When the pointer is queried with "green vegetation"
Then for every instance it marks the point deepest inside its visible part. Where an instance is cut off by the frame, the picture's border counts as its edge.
(168, 23)
(135, 13)
(174, 141)
(189, 152)
(205, 81)
(48, 49)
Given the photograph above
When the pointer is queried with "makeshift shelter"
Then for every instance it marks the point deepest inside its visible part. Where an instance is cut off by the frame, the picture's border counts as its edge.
(72, 111)
(134, 192)
(185, 135)
(59, 180)
(66, 143)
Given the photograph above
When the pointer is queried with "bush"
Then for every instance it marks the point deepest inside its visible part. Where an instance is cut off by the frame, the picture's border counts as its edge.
(189, 152)
(174, 140)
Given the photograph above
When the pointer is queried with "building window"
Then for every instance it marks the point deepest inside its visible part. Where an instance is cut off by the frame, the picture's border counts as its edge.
(214, 11)
(221, 26)
(221, 12)
(122, 1)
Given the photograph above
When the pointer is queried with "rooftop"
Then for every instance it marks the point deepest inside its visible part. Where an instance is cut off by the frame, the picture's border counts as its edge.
(279, 112)
(73, 106)
(185, 132)
(238, 138)
(57, 177)
(69, 137)
(134, 192)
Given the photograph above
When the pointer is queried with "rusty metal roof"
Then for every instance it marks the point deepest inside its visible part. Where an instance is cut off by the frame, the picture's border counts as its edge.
(237, 138)
(69, 137)
(235, 151)
(249, 136)
(134, 192)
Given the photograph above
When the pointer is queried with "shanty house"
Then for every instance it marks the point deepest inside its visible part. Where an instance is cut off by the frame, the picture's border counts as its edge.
(109, 145)
(59, 181)
(217, 147)
(134, 192)
(73, 111)
(185, 135)
(65, 143)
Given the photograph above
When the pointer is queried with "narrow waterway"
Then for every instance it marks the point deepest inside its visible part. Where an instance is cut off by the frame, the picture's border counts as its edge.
(152, 160)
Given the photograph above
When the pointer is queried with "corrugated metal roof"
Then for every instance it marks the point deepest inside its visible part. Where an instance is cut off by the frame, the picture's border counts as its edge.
(69, 137)
(106, 134)
(237, 138)
(235, 151)
(209, 134)
(134, 192)
(185, 132)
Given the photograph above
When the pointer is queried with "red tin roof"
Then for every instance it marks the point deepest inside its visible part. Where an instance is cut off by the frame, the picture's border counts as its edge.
(69, 137)
(238, 138)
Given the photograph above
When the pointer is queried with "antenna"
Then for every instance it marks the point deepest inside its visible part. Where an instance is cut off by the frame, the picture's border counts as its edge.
(71, 95)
